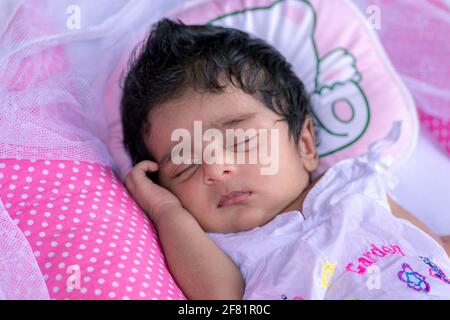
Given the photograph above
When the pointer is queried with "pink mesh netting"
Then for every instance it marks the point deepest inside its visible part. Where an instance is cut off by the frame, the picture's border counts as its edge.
(53, 71)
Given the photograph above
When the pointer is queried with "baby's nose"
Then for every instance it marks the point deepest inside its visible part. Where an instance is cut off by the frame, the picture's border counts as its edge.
(217, 172)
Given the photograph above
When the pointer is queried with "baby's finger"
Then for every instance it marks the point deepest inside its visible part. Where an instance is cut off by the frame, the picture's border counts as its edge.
(147, 166)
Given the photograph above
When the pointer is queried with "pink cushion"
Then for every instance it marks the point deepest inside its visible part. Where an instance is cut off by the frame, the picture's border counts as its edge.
(90, 239)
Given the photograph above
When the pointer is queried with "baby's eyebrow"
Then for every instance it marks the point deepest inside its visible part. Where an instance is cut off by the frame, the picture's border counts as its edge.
(226, 121)
(232, 120)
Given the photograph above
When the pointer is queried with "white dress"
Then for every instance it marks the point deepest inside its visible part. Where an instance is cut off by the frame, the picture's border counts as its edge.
(345, 245)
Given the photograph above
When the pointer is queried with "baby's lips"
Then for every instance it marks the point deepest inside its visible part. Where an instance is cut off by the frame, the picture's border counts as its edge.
(234, 197)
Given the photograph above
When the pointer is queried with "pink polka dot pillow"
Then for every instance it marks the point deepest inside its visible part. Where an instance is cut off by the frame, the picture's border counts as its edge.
(90, 239)
(357, 96)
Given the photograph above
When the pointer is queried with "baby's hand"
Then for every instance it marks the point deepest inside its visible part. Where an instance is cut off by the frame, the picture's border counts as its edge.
(152, 198)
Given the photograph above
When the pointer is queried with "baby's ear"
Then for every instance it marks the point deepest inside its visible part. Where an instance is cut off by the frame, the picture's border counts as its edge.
(307, 144)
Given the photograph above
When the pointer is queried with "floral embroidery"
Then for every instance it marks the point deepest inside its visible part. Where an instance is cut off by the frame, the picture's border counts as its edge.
(413, 279)
(435, 271)
(284, 297)
(327, 273)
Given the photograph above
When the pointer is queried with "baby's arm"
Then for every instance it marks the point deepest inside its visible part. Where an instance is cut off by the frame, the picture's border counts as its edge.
(399, 212)
(200, 268)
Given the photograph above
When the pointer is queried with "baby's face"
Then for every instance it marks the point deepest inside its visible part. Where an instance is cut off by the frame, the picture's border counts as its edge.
(230, 195)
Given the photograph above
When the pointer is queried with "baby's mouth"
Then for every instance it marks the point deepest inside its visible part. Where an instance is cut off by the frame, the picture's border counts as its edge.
(234, 197)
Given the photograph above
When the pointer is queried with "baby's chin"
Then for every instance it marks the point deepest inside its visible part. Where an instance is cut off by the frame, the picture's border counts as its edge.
(244, 218)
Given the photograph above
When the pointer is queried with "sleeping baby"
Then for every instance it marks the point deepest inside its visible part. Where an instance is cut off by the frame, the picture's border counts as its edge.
(221, 135)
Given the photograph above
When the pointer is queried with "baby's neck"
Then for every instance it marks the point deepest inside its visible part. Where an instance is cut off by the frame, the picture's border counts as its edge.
(298, 203)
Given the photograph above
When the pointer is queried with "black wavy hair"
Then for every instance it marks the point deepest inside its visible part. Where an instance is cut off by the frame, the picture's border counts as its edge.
(206, 58)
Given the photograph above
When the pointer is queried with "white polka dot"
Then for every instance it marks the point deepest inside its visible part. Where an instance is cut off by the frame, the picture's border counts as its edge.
(87, 279)
(55, 289)
(61, 265)
(58, 277)
(59, 175)
(44, 224)
(90, 269)
(79, 256)
(101, 281)
(14, 177)
(157, 291)
(49, 205)
(12, 187)
(65, 254)
(47, 214)
(37, 253)
(62, 217)
(76, 220)
(45, 172)
(129, 289)
(87, 182)
(118, 274)
(53, 244)
(16, 167)
(27, 233)
(75, 170)
(2, 165)
(112, 295)
(61, 165)
(40, 189)
(30, 222)
(98, 292)
(30, 169)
